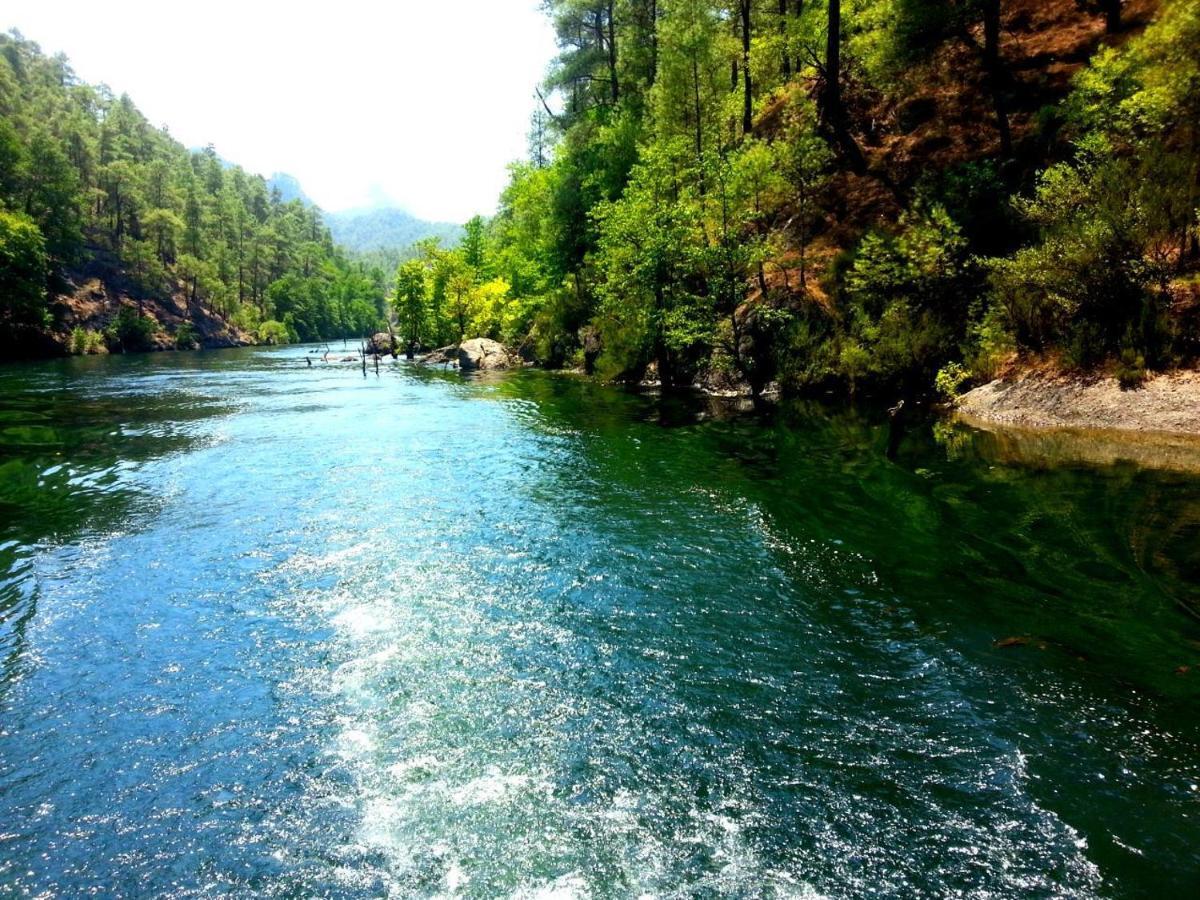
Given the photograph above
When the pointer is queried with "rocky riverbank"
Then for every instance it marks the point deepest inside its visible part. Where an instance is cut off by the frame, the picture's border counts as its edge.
(1165, 404)
(475, 355)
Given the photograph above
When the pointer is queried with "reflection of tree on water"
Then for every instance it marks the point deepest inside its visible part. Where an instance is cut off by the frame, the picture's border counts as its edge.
(18, 605)
(1156, 472)
(976, 543)
(1165, 539)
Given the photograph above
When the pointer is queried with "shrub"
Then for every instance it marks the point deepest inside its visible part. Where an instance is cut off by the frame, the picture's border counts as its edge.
(906, 300)
(1131, 369)
(272, 333)
(246, 318)
(130, 330)
(186, 337)
(1089, 278)
(22, 271)
(989, 344)
(951, 379)
(84, 341)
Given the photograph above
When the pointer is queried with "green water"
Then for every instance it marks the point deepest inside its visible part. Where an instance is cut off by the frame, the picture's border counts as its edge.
(272, 630)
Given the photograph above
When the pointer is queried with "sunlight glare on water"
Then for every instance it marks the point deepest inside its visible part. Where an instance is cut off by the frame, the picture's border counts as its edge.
(272, 630)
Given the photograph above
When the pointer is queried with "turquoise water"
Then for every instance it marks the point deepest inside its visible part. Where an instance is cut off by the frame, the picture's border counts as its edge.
(278, 631)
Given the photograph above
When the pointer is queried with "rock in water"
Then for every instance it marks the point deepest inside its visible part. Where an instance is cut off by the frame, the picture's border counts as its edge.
(443, 356)
(381, 344)
(483, 354)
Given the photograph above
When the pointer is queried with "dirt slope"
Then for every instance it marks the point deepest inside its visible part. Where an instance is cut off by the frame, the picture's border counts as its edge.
(93, 296)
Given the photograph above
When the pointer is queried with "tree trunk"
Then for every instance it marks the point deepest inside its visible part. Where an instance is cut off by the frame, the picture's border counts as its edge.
(832, 96)
(661, 355)
(994, 70)
(120, 223)
(1112, 16)
(747, 81)
(615, 84)
(699, 122)
(785, 60)
(833, 115)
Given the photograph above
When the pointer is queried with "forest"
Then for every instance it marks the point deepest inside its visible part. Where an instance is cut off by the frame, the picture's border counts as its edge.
(89, 190)
(874, 196)
(867, 196)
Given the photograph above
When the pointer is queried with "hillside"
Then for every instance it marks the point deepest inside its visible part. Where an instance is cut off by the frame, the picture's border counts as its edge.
(115, 237)
(289, 188)
(371, 229)
(895, 197)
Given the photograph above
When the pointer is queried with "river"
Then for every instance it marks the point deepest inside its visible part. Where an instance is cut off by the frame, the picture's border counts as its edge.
(268, 630)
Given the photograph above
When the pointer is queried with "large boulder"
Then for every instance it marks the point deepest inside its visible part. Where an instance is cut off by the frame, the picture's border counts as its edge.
(483, 354)
(382, 344)
(443, 356)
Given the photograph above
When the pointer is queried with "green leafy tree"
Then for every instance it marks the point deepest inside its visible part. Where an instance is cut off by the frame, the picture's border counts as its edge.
(411, 301)
(650, 311)
(23, 269)
(460, 291)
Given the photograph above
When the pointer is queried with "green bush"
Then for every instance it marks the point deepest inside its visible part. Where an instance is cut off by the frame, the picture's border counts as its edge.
(130, 330)
(22, 272)
(186, 337)
(246, 318)
(84, 342)
(1085, 281)
(272, 333)
(951, 379)
(989, 343)
(1131, 369)
(906, 300)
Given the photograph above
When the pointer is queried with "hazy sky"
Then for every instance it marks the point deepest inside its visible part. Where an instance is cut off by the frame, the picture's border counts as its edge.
(423, 103)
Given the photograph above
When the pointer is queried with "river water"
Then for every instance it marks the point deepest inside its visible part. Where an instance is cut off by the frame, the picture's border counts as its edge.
(268, 630)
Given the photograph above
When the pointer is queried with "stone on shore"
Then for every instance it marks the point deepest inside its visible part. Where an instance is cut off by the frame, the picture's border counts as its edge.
(483, 354)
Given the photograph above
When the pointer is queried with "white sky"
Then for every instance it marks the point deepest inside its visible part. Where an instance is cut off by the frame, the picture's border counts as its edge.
(421, 103)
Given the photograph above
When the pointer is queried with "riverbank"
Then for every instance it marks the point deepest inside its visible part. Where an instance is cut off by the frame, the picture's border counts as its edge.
(1166, 404)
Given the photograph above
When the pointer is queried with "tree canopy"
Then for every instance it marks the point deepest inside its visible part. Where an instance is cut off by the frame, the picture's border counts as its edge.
(863, 192)
(86, 181)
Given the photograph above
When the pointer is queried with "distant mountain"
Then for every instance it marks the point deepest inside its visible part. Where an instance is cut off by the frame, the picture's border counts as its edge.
(289, 188)
(371, 228)
(364, 230)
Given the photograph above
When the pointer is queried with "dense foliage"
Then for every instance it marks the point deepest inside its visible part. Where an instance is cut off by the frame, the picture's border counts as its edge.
(881, 195)
(710, 193)
(87, 184)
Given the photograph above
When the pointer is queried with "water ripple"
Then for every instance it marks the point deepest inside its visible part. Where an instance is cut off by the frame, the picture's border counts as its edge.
(272, 631)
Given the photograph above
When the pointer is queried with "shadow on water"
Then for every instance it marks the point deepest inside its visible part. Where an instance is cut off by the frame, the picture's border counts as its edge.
(1061, 561)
